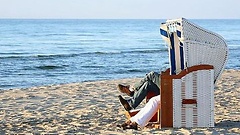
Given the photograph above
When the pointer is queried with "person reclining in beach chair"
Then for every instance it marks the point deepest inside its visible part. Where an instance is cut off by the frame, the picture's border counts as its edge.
(144, 115)
(150, 83)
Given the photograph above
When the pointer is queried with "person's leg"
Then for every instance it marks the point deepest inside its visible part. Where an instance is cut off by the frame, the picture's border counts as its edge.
(142, 93)
(146, 113)
(149, 83)
(152, 76)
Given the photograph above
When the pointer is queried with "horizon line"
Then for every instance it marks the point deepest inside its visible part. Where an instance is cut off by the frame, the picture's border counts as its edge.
(116, 18)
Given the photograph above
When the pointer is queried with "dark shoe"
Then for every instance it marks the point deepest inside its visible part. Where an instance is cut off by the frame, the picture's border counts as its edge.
(125, 104)
(129, 125)
(125, 89)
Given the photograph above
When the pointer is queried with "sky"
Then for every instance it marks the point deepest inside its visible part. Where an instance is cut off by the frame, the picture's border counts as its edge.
(119, 9)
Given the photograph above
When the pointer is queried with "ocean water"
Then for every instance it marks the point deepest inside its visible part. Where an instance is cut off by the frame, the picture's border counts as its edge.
(45, 52)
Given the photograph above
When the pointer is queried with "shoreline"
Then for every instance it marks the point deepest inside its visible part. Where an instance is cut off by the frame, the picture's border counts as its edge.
(117, 79)
(93, 108)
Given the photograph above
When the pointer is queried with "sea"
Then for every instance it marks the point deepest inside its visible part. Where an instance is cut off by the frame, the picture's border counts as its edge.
(36, 52)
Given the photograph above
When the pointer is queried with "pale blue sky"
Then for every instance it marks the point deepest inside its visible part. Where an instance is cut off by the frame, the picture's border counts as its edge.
(120, 9)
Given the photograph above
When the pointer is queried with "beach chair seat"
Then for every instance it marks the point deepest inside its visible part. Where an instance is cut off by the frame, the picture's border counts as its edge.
(131, 113)
(197, 58)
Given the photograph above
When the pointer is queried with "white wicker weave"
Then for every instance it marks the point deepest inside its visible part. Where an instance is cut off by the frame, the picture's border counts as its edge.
(200, 46)
(195, 85)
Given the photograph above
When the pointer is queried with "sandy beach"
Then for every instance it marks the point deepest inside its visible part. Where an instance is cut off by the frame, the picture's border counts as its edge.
(93, 108)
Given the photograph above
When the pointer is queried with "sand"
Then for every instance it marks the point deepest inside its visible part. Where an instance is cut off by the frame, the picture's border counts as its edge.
(93, 108)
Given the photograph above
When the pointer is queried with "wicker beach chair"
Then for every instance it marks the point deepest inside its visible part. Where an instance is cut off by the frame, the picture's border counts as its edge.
(197, 58)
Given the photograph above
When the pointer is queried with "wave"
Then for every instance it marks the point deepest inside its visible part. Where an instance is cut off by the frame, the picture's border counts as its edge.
(6, 86)
(66, 34)
(85, 35)
(135, 70)
(129, 51)
(38, 56)
(148, 51)
(50, 67)
(92, 66)
(53, 56)
(13, 53)
(233, 42)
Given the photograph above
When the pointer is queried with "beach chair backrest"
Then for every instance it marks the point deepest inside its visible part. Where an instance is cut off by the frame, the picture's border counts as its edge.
(190, 44)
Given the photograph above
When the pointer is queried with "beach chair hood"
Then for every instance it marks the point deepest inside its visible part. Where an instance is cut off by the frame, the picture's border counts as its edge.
(190, 44)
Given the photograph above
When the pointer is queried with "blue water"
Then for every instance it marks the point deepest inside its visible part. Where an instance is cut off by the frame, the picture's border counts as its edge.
(44, 52)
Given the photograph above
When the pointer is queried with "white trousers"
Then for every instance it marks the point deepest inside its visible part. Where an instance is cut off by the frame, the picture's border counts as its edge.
(147, 112)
